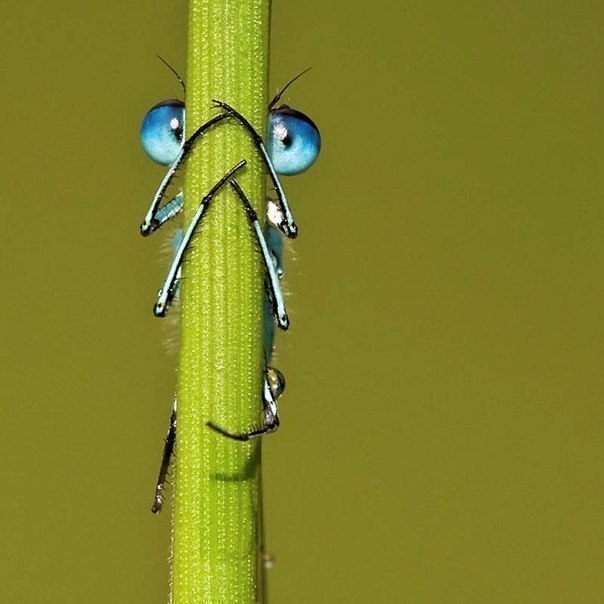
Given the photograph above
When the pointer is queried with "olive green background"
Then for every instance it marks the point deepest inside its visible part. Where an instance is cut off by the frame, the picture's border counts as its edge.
(442, 426)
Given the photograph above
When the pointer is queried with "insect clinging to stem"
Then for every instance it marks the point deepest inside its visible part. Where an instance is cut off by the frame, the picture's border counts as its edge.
(292, 147)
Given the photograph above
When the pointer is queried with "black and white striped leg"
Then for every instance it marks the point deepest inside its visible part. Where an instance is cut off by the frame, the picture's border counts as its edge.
(167, 292)
(286, 222)
(157, 216)
(274, 289)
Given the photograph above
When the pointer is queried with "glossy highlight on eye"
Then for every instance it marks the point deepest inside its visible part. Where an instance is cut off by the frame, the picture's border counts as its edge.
(294, 141)
(162, 131)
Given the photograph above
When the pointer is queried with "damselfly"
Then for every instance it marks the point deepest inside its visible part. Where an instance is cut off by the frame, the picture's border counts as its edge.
(292, 147)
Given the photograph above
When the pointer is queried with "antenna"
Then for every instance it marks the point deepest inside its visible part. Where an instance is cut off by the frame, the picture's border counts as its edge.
(182, 83)
(280, 93)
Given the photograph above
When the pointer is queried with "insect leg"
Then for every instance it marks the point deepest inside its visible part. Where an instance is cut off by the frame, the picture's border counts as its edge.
(154, 218)
(158, 501)
(287, 224)
(271, 417)
(167, 292)
(274, 289)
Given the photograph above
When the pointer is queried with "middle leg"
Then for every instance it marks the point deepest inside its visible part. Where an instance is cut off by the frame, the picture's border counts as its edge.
(168, 291)
(274, 289)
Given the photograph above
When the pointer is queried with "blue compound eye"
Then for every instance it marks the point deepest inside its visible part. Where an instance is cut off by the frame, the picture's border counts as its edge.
(294, 141)
(162, 131)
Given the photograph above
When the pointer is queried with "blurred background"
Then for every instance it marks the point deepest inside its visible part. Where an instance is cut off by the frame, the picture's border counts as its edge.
(442, 427)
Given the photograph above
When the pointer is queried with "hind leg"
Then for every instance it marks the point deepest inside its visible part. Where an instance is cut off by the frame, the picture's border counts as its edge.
(158, 501)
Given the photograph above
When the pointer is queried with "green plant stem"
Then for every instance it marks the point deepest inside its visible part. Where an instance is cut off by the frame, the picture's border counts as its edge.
(215, 555)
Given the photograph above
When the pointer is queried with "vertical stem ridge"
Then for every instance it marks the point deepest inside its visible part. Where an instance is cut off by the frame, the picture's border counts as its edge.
(217, 489)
